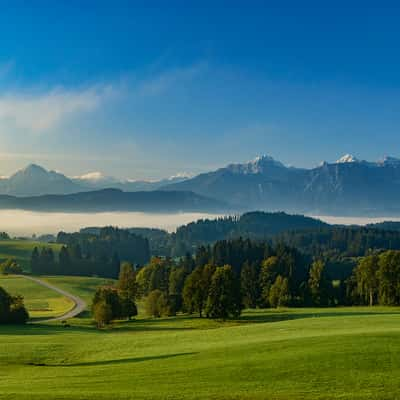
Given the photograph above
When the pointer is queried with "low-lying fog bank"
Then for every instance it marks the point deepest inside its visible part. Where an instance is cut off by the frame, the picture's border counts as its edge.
(26, 223)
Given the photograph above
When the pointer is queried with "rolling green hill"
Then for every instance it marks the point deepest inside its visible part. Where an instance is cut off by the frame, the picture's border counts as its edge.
(343, 353)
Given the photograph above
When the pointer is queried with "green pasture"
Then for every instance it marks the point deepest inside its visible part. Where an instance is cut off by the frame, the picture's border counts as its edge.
(343, 353)
(40, 301)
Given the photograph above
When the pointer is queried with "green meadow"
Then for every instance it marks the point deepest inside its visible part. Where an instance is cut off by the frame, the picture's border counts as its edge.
(21, 250)
(333, 353)
(40, 301)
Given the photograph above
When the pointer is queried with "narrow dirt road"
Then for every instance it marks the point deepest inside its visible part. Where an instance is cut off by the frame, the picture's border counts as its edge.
(80, 305)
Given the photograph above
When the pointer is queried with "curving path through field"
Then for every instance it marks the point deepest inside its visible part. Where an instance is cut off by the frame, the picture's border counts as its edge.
(80, 305)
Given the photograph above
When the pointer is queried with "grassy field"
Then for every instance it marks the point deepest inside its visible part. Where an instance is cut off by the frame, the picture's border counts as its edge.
(21, 250)
(344, 353)
(40, 301)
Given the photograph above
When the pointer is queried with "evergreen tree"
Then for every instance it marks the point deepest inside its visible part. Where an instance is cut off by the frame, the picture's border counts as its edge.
(177, 278)
(115, 265)
(64, 261)
(35, 262)
(249, 282)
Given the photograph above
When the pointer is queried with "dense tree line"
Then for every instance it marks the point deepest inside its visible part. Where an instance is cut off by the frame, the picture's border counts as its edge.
(90, 254)
(109, 241)
(12, 309)
(341, 241)
(71, 261)
(335, 244)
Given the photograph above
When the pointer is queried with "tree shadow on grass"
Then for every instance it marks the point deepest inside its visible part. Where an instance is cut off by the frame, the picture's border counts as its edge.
(115, 362)
(287, 315)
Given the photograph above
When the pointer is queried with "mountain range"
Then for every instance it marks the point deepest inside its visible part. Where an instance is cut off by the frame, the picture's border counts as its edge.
(348, 186)
(35, 180)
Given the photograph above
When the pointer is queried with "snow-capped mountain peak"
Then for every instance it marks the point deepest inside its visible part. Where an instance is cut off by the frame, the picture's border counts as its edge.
(347, 158)
(387, 160)
(258, 165)
(95, 177)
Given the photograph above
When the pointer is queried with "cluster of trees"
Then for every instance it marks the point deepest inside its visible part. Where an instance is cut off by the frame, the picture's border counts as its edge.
(222, 279)
(4, 236)
(116, 301)
(12, 309)
(376, 279)
(10, 266)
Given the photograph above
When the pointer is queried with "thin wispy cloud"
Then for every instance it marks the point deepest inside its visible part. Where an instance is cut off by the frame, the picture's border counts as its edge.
(168, 79)
(38, 112)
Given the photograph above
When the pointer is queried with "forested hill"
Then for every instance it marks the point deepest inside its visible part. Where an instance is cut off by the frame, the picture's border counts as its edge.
(253, 225)
(311, 236)
(116, 200)
(386, 225)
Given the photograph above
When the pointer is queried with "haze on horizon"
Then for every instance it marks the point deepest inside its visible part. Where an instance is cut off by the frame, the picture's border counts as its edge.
(144, 92)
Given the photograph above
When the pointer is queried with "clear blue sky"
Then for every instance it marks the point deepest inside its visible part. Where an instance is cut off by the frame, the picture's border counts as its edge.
(142, 91)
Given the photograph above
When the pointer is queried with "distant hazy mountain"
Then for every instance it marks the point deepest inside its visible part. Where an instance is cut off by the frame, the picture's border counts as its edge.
(348, 186)
(116, 200)
(96, 180)
(35, 180)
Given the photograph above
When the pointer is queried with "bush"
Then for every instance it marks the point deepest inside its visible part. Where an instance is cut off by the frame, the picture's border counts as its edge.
(18, 312)
(12, 309)
(10, 267)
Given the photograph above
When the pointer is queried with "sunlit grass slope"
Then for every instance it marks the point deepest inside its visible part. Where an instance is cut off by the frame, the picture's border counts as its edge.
(40, 301)
(21, 250)
(289, 354)
(81, 286)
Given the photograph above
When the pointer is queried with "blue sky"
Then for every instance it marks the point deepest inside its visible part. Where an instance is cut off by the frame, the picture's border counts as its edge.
(142, 91)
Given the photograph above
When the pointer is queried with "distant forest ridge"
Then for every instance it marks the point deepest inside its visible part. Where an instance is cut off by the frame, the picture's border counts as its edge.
(309, 235)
